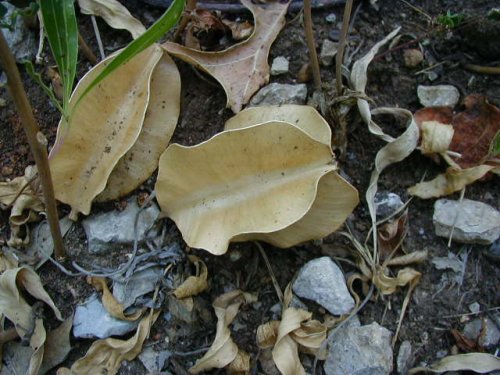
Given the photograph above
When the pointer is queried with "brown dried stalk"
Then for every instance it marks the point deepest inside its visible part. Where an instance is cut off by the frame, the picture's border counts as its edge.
(342, 43)
(313, 56)
(36, 141)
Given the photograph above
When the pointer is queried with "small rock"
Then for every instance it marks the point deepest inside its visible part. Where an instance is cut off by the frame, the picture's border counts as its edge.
(92, 320)
(331, 18)
(474, 307)
(137, 285)
(441, 353)
(21, 40)
(487, 335)
(279, 66)
(322, 281)
(280, 93)
(413, 57)
(182, 310)
(476, 222)
(153, 360)
(111, 229)
(387, 203)
(404, 358)
(493, 252)
(7, 171)
(359, 351)
(328, 52)
(438, 96)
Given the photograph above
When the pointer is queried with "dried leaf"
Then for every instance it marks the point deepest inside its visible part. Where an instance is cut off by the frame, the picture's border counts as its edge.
(57, 346)
(481, 363)
(404, 260)
(7, 260)
(436, 137)
(277, 175)
(105, 356)
(114, 13)
(239, 365)
(239, 30)
(243, 68)
(391, 235)
(267, 334)
(193, 285)
(102, 128)
(109, 301)
(223, 350)
(139, 163)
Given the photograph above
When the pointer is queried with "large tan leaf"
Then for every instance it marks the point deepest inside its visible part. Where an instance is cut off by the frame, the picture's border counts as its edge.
(245, 184)
(101, 129)
(241, 69)
(105, 356)
(481, 363)
(159, 124)
(224, 351)
(115, 15)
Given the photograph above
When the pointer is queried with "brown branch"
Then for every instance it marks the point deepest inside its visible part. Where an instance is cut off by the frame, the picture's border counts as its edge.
(311, 45)
(35, 140)
(342, 43)
(84, 47)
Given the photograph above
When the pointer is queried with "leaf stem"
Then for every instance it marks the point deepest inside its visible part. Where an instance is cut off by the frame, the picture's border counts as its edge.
(311, 45)
(35, 140)
(343, 41)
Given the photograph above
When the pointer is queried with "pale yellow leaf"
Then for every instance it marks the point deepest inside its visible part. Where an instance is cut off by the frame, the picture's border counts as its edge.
(243, 68)
(240, 364)
(418, 256)
(436, 137)
(114, 13)
(101, 129)
(105, 356)
(193, 285)
(250, 183)
(388, 285)
(453, 180)
(481, 363)
(139, 163)
(57, 346)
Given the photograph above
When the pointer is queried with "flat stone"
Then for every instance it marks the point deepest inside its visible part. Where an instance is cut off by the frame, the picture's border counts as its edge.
(328, 52)
(331, 18)
(21, 39)
(280, 66)
(322, 281)
(280, 93)
(387, 203)
(477, 222)
(487, 338)
(404, 357)
(360, 351)
(137, 285)
(154, 361)
(438, 96)
(92, 320)
(109, 230)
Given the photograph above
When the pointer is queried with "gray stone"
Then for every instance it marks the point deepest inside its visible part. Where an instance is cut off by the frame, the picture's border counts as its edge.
(387, 203)
(280, 66)
(328, 52)
(137, 285)
(92, 320)
(331, 18)
(322, 281)
(437, 96)
(404, 358)
(487, 335)
(280, 93)
(475, 222)
(474, 307)
(154, 361)
(109, 230)
(21, 40)
(360, 351)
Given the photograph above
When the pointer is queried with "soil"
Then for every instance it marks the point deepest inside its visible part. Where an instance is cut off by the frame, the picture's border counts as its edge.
(436, 307)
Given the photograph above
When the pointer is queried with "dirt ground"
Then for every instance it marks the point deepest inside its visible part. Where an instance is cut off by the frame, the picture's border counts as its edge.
(435, 307)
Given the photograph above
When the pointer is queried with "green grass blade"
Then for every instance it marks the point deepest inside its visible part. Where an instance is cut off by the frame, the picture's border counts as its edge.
(38, 79)
(153, 34)
(62, 33)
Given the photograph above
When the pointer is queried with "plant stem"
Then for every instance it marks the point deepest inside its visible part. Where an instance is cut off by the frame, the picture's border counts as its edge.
(36, 141)
(343, 41)
(86, 50)
(311, 45)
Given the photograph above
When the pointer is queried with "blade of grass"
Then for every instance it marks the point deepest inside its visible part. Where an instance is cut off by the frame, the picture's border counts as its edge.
(60, 26)
(38, 79)
(153, 34)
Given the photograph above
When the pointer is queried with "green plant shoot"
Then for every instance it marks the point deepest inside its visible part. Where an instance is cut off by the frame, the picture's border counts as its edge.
(62, 33)
(451, 20)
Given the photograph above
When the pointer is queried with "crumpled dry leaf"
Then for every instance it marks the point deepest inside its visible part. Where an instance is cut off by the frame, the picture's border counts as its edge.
(282, 179)
(57, 345)
(102, 128)
(243, 68)
(105, 356)
(115, 15)
(25, 196)
(193, 285)
(391, 235)
(26, 318)
(109, 301)
(481, 363)
(436, 137)
(7, 260)
(223, 350)
(159, 124)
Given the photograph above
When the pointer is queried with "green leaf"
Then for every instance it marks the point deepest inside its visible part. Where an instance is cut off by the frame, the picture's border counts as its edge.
(62, 32)
(153, 34)
(38, 79)
(495, 146)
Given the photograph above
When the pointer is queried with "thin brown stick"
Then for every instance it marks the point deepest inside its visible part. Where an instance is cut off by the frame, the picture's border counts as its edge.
(482, 69)
(35, 140)
(186, 17)
(339, 59)
(271, 273)
(84, 47)
(311, 45)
